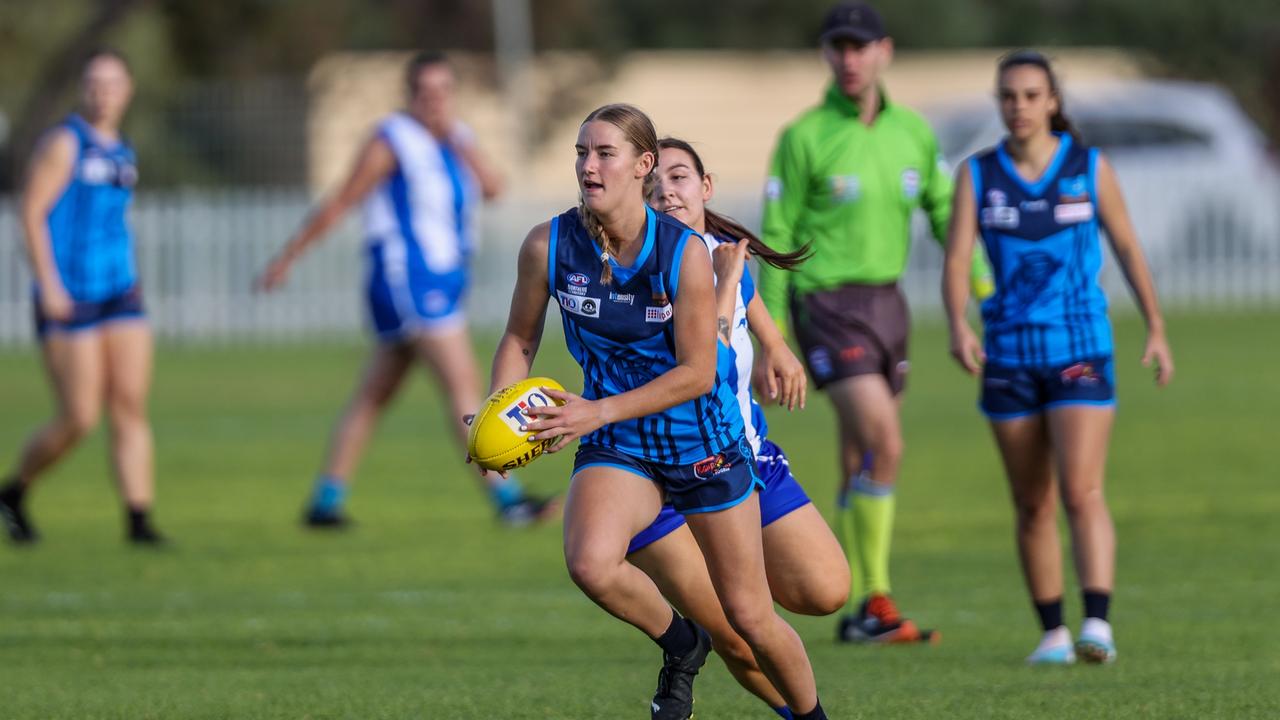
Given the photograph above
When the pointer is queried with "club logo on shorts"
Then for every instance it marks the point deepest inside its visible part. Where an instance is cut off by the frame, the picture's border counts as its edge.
(853, 354)
(1080, 373)
(710, 467)
(584, 306)
(820, 362)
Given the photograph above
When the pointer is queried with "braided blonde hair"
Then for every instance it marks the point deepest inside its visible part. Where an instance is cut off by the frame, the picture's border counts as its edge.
(638, 129)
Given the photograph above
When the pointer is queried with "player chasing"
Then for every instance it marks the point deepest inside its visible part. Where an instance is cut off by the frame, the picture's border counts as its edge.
(419, 178)
(846, 178)
(1039, 199)
(657, 415)
(94, 339)
(807, 572)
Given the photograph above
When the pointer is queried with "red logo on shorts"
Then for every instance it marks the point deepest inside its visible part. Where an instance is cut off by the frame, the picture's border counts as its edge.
(1080, 372)
(712, 466)
(853, 354)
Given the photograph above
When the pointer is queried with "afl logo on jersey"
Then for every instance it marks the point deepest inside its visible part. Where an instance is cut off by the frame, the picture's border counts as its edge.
(997, 198)
(577, 279)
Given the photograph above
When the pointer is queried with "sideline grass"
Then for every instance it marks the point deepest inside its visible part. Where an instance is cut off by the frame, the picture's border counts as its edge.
(428, 610)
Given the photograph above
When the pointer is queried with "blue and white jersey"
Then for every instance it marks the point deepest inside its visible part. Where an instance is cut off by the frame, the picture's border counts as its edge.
(744, 357)
(92, 243)
(1045, 249)
(623, 336)
(420, 218)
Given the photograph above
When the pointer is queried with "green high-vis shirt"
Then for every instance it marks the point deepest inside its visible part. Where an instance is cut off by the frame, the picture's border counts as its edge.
(849, 190)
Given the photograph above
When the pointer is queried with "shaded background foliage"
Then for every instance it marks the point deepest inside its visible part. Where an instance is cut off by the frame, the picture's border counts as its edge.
(240, 57)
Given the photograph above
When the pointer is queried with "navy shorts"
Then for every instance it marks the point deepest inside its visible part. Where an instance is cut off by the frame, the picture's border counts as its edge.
(406, 301)
(781, 494)
(715, 483)
(1009, 392)
(88, 315)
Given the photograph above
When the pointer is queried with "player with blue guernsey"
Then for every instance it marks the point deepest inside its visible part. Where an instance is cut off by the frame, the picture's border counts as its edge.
(89, 319)
(1039, 200)
(807, 570)
(419, 178)
(657, 418)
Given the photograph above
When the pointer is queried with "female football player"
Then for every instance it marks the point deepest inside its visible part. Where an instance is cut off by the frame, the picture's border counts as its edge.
(94, 338)
(656, 416)
(419, 177)
(1039, 199)
(807, 570)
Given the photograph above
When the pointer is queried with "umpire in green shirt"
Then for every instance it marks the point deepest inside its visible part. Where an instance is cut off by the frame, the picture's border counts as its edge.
(845, 178)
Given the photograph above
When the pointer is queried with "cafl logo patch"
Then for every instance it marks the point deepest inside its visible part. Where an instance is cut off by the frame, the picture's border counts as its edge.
(584, 306)
(845, 188)
(517, 414)
(911, 183)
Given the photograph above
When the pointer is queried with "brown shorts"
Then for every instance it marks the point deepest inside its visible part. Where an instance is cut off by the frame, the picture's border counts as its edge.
(854, 330)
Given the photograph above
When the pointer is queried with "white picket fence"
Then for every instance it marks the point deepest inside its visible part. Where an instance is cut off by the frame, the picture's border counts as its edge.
(199, 252)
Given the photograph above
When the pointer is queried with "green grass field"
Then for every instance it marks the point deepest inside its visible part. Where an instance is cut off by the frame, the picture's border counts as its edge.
(429, 610)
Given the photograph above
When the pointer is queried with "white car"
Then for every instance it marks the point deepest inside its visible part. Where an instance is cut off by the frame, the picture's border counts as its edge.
(1200, 183)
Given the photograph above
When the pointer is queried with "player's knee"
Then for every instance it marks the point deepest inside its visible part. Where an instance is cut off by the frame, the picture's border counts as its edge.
(750, 619)
(1033, 511)
(888, 451)
(591, 572)
(823, 598)
(81, 420)
(734, 651)
(1083, 502)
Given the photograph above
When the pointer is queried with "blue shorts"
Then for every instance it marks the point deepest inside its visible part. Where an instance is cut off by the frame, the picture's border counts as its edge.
(405, 300)
(781, 494)
(88, 315)
(715, 483)
(1009, 392)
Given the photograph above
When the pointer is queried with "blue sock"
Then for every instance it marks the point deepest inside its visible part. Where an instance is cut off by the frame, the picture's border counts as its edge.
(784, 712)
(328, 494)
(506, 493)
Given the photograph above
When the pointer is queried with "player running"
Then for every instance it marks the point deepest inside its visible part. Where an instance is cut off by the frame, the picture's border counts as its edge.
(807, 571)
(656, 417)
(95, 341)
(1048, 385)
(419, 178)
(846, 178)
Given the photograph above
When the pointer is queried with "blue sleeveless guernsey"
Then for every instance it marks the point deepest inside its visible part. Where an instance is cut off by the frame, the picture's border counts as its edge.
(92, 244)
(622, 335)
(1043, 242)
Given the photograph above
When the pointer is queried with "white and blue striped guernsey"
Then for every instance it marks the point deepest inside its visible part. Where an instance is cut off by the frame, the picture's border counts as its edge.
(623, 336)
(421, 217)
(739, 379)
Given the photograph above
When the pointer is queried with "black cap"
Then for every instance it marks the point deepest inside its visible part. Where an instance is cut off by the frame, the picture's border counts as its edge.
(855, 21)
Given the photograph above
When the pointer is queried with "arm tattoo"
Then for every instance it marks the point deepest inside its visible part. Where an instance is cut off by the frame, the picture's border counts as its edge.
(724, 329)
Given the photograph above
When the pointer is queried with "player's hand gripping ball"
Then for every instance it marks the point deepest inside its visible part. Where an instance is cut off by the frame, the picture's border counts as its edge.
(495, 441)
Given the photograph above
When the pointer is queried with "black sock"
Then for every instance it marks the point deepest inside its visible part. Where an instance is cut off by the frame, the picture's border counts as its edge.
(817, 713)
(1050, 614)
(137, 521)
(1096, 603)
(679, 638)
(13, 489)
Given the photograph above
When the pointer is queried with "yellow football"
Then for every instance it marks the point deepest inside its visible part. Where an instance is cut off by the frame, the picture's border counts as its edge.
(495, 441)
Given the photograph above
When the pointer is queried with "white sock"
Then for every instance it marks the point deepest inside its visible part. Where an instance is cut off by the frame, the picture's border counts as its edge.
(1096, 628)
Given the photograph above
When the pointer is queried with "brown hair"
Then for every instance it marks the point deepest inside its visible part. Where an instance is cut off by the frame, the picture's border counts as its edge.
(107, 52)
(419, 62)
(723, 226)
(1019, 58)
(637, 128)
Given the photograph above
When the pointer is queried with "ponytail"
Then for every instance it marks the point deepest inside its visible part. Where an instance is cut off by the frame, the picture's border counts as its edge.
(595, 229)
(726, 227)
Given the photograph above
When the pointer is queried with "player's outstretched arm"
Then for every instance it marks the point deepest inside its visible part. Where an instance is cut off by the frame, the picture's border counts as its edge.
(694, 315)
(961, 232)
(375, 163)
(519, 344)
(1124, 243)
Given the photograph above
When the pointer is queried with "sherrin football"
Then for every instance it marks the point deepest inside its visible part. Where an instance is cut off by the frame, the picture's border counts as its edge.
(495, 441)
